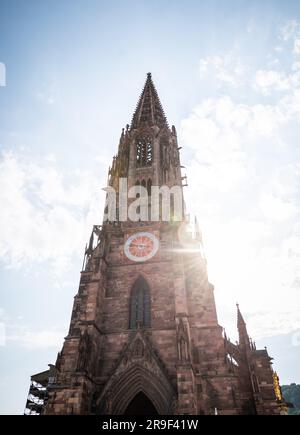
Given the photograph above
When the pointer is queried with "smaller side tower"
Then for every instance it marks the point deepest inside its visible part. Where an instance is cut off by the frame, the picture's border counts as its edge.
(255, 373)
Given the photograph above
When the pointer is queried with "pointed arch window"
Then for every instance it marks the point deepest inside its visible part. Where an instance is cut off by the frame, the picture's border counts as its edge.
(144, 152)
(140, 311)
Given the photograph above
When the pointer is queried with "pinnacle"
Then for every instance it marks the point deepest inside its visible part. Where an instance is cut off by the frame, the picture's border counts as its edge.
(240, 318)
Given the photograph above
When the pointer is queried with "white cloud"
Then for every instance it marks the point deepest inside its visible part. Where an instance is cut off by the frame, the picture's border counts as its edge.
(278, 49)
(289, 30)
(284, 78)
(296, 66)
(297, 46)
(277, 208)
(2, 74)
(45, 214)
(19, 334)
(45, 98)
(226, 69)
(212, 133)
(255, 263)
(244, 185)
(268, 81)
(34, 340)
(290, 34)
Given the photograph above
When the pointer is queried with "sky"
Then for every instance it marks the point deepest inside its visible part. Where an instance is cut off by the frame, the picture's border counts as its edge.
(228, 75)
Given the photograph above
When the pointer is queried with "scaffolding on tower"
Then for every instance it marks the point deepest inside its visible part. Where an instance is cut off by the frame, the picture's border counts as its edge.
(38, 391)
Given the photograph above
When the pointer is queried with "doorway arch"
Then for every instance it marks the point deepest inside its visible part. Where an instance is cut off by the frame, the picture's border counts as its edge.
(119, 396)
(140, 405)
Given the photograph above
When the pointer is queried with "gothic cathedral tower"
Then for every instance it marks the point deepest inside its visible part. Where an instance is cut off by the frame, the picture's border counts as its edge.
(144, 336)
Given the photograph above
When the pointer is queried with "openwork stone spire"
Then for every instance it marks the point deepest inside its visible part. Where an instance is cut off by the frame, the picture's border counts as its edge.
(149, 110)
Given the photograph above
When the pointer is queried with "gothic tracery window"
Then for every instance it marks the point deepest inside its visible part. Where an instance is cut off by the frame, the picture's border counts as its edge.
(144, 151)
(140, 305)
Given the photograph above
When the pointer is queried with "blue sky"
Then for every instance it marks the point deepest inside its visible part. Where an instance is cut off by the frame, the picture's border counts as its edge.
(228, 74)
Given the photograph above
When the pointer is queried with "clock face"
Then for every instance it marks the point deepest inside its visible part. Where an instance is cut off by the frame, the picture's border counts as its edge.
(141, 246)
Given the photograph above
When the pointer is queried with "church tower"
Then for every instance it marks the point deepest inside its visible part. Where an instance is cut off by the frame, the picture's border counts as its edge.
(144, 336)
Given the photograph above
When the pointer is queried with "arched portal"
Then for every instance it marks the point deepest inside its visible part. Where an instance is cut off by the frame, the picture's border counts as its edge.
(140, 405)
(135, 388)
